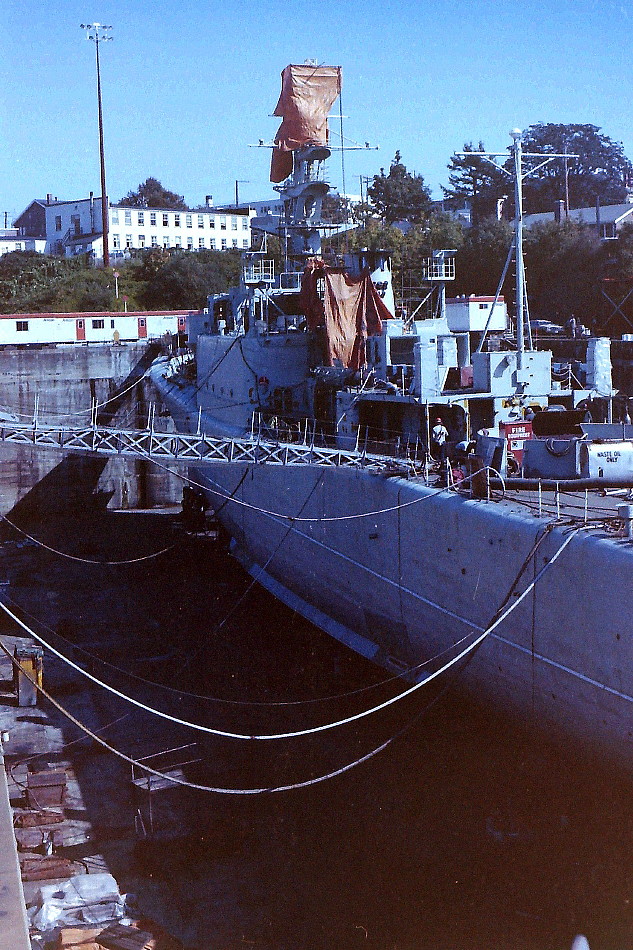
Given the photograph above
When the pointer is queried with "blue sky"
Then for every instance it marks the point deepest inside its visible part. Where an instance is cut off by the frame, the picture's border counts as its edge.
(188, 85)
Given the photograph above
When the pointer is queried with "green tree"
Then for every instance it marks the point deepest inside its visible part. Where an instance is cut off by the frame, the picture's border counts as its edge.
(400, 195)
(480, 260)
(35, 283)
(563, 266)
(185, 279)
(601, 170)
(151, 194)
(476, 180)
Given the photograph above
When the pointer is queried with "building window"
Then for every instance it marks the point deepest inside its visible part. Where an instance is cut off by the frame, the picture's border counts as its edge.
(58, 222)
(154, 241)
(115, 217)
(190, 243)
(178, 241)
(141, 240)
(189, 221)
(116, 241)
(176, 220)
(152, 219)
(165, 240)
(200, 220)
(212, 243)
(98, 324)
(200, 242)
(233, 223)
(141, 218)
(244, 224)
(211, 221)
(128, 217)
(223, 243)
(21, 325)
(245, 242)
(165, 220)
(234, 242)
(222, 223)
(128, 240)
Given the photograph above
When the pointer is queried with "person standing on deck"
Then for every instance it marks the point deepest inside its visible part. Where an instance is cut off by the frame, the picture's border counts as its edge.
(439, 435)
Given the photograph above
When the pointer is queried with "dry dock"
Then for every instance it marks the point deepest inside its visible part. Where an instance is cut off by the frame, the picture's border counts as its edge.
(467, 833)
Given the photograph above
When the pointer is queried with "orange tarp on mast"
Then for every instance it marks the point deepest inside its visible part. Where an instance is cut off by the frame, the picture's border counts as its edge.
(307, 94)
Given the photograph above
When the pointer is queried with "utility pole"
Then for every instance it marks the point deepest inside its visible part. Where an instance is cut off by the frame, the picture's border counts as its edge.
(99, 33)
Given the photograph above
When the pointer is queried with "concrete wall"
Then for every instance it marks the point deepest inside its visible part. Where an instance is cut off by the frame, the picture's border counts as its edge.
(64, 380)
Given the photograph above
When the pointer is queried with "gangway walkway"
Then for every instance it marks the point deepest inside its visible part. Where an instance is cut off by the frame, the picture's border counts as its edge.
(196, 449)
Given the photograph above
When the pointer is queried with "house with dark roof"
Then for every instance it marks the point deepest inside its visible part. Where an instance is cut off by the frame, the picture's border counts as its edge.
(605, 219)
(32, 222)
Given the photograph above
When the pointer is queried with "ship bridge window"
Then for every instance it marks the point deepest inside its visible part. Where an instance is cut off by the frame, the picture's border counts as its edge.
(98, 324)
(21, 325)
(287, 303)
(282, 399)
(401, 350)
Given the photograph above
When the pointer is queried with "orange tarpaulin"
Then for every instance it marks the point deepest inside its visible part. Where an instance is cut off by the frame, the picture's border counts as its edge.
(307, 93)
(350, 310)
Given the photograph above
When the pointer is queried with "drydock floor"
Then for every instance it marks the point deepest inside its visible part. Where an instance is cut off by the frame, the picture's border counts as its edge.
(467, 833)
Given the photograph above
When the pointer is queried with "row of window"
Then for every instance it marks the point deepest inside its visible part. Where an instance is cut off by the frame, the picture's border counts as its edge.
(166, 242)
(178, 218)
(22, 326)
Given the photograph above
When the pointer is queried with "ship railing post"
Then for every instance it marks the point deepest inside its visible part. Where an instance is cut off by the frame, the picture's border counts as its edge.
(540, 500)
(557, 500)
(199, 420)
(586, 503)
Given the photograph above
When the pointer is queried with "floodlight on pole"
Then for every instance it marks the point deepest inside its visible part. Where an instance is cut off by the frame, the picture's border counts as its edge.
(99, 33)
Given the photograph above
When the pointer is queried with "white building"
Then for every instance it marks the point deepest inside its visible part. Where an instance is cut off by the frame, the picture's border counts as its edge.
(75, 227)
(12, 240)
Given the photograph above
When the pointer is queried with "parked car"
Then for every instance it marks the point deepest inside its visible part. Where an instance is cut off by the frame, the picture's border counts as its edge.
(546, 328)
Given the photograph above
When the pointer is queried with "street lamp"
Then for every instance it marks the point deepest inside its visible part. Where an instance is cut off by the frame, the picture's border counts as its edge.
(98, 33)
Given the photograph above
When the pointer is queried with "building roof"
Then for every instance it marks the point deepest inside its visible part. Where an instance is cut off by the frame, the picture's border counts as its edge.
(609, 214)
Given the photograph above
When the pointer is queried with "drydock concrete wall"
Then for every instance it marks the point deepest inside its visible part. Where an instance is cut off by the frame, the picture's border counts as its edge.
(63, 381)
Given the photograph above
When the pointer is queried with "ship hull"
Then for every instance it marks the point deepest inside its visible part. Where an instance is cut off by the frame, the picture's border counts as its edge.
(418, 580)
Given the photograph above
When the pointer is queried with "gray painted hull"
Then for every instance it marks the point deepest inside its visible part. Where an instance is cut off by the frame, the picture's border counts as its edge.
(406, 585)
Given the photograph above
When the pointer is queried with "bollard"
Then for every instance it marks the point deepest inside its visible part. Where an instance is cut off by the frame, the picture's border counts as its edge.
(29, 675)
(625, 512)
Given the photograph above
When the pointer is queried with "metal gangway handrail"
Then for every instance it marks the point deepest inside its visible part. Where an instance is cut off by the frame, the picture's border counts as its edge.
(195, 449)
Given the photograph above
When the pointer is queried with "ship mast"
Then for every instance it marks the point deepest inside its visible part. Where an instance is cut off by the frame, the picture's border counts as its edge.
(518, 176)
(518, 245)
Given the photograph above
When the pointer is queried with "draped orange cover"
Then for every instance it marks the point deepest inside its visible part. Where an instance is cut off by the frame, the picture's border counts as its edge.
(307, 93)
(350, 310)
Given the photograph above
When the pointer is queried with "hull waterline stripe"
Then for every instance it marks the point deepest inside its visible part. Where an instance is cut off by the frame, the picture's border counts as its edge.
(565, 669)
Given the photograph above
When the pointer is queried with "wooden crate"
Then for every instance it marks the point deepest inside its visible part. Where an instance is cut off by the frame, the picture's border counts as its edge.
(44, 789)
(78, 938)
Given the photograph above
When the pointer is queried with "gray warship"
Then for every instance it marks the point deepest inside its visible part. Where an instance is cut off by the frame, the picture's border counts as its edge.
(510, 557)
